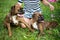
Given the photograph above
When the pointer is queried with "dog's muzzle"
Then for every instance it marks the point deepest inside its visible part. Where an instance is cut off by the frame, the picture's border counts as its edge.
(21, 11)
(40, 19)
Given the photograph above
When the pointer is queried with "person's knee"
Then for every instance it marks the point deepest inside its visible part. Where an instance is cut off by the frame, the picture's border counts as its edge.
(23, 26)
(27, 20)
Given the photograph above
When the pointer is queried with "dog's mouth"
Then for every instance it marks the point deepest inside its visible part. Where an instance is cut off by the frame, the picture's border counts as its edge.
(20, 15)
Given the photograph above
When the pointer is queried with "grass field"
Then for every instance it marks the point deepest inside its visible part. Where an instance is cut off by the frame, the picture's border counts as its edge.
(25, 34)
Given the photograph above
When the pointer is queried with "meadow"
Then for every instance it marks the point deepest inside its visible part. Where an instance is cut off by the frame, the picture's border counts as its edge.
(24, 34)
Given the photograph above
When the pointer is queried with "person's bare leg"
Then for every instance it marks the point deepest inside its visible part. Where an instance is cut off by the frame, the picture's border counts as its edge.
(28, 21)
(23, 25)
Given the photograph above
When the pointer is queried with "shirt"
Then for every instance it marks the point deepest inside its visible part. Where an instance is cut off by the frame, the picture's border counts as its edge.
(31, 6)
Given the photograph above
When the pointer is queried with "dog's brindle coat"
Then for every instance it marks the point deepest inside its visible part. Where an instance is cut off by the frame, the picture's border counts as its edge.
(41, 24)
(8, 19)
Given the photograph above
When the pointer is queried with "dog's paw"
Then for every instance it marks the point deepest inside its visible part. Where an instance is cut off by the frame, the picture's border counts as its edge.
(32, 30)
(10, 34)
(41, 34)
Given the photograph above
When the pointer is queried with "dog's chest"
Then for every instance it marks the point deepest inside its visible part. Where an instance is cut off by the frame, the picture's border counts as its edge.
(35, 25)
(14, 20)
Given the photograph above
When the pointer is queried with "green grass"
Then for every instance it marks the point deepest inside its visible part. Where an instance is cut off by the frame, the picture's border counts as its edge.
(25, 34)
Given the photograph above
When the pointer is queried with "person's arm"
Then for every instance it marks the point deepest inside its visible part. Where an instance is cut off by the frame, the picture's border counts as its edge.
(45, 2)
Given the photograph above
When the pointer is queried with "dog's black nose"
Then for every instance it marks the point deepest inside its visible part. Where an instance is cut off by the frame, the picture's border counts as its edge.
(40, 18)
(21, 11)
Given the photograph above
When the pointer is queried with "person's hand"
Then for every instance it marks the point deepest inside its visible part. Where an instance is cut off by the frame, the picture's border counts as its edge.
(51, 7)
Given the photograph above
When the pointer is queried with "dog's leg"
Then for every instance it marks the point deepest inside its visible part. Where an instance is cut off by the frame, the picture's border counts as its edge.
(40, 27)
(9, 29)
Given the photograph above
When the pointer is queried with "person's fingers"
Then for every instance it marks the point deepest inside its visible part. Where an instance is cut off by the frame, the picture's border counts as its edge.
(51, 7)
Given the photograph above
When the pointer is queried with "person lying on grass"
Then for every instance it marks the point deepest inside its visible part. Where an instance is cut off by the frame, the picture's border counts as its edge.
(31, 6)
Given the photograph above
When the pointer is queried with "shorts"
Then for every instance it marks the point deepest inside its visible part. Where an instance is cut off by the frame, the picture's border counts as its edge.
(29, 14)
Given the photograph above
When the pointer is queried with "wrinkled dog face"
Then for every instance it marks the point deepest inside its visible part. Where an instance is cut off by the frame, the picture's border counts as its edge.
(21, 11)
(37, 16)
(14, 10)
(18, 9)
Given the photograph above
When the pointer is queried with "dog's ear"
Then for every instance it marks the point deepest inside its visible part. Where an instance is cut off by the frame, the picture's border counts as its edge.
(12, 10)
(13, 7)
(33, 16)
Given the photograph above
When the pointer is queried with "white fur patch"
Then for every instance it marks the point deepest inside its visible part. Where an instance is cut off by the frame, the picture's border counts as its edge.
(35, 25)
(14, 19)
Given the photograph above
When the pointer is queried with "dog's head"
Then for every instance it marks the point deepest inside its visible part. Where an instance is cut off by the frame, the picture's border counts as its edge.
(16, 10)
(37, 16)
(21, 11)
